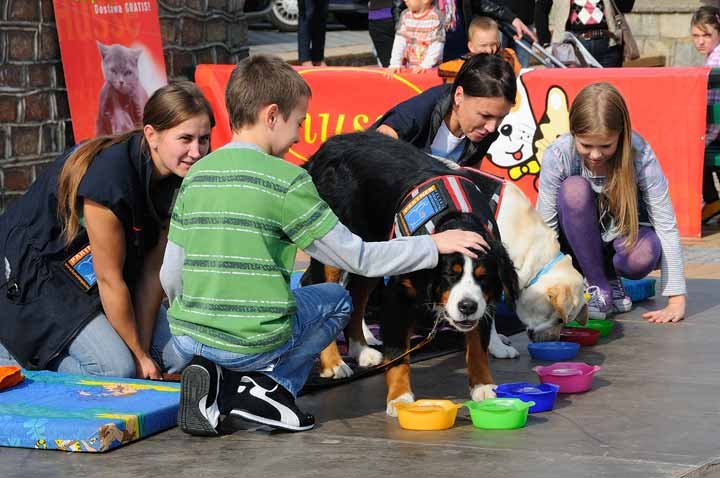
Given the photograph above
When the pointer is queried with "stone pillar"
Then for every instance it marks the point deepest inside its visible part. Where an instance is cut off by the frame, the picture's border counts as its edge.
(35, 121)
(662, 27)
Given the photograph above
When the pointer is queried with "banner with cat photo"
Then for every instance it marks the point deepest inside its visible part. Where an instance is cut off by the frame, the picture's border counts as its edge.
(113, 61)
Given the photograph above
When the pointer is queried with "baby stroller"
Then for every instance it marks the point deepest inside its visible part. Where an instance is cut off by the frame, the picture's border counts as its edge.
(569, 53)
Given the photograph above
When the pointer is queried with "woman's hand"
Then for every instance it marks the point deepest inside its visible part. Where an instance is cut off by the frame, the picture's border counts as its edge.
(673, 312)
(390, 72)
(455, 240)
(521, 28)
(387, 131)
(147, 368)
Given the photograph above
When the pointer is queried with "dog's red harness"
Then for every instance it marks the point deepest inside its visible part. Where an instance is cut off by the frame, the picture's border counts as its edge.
(437, 197)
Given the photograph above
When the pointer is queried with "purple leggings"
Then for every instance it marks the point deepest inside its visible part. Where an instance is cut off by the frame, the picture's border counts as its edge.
(578, 217)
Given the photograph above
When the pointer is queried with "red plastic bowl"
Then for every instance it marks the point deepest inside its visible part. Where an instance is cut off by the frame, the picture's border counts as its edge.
(571, 377)
(579, 335)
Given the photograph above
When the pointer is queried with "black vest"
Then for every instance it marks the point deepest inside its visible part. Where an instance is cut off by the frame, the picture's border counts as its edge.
(44, 303)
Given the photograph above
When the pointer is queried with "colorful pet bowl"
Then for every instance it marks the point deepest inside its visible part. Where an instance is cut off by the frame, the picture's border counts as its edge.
(579, 335)
(10, 375)
(427, 414)
(571, 377)
(553, 351)
(602, 326)
(639, 290)
(543, 395)
(499, 413)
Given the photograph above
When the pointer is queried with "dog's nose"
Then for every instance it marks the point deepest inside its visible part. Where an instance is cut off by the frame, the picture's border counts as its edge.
(531, 335)
(467, 306)
(506, 130)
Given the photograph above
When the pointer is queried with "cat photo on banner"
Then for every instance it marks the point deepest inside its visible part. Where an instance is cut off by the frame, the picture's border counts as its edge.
(128, 74)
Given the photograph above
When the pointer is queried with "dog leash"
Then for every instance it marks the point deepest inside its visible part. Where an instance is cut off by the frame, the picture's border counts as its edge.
(490, 310)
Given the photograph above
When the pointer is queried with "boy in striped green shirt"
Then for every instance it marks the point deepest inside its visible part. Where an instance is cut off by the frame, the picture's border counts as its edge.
(238, 220)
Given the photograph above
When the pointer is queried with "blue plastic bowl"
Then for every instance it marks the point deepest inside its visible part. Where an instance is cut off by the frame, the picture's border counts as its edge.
(543, 394)
(553, 351)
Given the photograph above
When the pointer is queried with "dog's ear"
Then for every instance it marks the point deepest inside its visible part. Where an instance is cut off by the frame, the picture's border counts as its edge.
(558, 296)
(583, 315)
(508, 274)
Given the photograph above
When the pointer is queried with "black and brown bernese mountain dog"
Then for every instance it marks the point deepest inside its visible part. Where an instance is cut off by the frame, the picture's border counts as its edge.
(366, 192)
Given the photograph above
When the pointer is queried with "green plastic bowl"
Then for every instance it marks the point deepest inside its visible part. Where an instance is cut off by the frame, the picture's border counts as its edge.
(602, 326)
(499, 413)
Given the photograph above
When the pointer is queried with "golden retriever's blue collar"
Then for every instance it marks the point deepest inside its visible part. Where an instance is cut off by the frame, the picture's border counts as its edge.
(545, 269)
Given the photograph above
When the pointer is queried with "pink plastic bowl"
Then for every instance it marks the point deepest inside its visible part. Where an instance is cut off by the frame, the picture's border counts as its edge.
(571, 377)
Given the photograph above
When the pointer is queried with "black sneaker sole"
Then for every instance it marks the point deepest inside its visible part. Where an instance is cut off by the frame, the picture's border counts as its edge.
(195, 385)
(266, 421)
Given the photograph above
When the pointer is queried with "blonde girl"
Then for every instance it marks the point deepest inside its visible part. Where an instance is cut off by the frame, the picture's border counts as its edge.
(602, 188)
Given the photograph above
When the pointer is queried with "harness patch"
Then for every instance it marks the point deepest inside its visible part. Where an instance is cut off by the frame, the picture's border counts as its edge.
(80, 267)
(421, 208)
(427, 204)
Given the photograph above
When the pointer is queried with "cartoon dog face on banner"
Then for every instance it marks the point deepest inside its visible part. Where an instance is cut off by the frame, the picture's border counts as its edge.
(523, 140)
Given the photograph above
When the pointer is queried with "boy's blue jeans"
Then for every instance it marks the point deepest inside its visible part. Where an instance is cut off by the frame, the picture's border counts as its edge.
(323, 310)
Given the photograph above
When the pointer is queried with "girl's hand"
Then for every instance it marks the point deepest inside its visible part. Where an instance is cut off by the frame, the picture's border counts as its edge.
(147, 368)
(417, 69)
(673, 312)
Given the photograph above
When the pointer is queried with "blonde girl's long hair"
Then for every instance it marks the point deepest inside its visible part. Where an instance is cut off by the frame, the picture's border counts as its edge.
(167, 107)
(599, 108)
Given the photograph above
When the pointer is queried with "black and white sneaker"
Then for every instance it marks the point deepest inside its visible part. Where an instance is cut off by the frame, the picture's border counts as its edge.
(199, 413)
(258, 398)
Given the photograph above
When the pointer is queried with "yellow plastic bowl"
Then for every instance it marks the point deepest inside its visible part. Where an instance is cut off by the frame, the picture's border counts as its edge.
(427, 414)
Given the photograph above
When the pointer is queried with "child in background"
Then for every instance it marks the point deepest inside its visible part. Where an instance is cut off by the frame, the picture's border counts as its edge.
(238, 220)
(483, 37)
(419, 39)
(705, 29)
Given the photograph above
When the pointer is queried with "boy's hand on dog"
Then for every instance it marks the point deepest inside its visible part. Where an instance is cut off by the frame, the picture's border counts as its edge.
(455, 240)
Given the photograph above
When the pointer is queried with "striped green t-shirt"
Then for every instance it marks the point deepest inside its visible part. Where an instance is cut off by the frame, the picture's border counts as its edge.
(240, 216)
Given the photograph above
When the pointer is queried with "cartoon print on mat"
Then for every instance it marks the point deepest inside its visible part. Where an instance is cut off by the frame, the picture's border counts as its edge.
(522, 140)
(50, 410)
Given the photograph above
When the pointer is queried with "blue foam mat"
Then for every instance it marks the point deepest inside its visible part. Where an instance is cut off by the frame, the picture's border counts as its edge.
(52, 410)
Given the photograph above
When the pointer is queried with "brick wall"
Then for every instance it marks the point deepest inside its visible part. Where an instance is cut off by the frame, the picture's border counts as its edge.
(34, 114)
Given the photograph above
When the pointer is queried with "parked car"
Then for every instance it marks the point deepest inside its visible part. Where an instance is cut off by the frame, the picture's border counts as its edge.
(283, 14)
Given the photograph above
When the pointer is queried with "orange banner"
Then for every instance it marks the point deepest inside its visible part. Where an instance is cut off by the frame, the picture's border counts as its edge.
(112, 60)
(344, 100)
(667, 107)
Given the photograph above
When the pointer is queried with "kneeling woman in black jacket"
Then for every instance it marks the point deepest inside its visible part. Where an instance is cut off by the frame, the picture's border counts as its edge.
(458, 122)
(80, 252)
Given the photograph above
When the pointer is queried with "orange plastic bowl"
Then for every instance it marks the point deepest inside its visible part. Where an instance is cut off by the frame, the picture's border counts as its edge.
(10, 375)
(427, 414)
